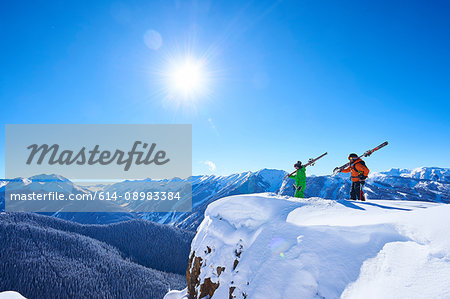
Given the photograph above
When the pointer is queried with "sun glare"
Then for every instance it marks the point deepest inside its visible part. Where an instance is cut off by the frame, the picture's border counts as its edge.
(185, 81)
(188, 78)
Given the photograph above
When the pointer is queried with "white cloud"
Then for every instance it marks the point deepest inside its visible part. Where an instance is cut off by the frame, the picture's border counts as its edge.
(211, 165)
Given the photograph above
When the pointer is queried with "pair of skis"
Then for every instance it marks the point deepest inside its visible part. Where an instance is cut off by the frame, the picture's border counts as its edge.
(366, 154)
(311, 162)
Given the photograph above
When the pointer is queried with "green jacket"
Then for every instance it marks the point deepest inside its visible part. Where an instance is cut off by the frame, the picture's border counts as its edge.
(299, 177)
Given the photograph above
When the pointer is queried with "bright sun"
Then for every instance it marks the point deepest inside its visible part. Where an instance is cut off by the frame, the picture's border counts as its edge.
(188, 79)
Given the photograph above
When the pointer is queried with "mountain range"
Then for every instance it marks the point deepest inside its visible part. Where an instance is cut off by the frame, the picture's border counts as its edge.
(430, 184)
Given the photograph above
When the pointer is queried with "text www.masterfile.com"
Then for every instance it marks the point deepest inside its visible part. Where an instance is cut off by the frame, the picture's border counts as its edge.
(111, 196)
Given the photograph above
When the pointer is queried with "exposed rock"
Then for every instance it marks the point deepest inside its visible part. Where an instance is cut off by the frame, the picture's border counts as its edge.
(206, 287)
(236, 262)
(231, 292)
(238, 251)
(192, 274)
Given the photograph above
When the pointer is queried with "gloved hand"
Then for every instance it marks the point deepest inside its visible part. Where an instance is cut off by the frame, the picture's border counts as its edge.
(362, 177)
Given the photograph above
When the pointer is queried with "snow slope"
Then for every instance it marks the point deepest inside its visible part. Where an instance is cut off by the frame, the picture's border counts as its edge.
(266, 246)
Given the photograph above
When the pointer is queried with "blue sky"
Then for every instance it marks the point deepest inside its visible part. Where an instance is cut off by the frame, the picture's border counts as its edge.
(288, 80)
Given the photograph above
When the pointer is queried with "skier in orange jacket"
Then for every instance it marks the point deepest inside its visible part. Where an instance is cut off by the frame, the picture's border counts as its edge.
(359, 173)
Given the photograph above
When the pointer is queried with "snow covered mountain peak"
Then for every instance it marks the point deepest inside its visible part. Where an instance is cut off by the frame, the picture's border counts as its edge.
(431, 173)
(421, 173)
(273, 177)
(266, 246)
(48, 177)
(43, 182)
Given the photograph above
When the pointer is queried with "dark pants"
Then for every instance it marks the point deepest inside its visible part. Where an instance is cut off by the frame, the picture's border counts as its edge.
(357, 191)
(299, 191)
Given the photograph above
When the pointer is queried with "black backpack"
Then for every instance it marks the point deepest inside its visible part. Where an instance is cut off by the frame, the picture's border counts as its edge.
(360, 162)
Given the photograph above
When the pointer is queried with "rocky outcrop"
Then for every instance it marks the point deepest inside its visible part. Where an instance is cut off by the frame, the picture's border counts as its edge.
(200, 288)
(192, 275)
(200, 285)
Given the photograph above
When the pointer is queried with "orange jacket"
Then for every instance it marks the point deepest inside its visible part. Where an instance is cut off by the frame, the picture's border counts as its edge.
(356, 169)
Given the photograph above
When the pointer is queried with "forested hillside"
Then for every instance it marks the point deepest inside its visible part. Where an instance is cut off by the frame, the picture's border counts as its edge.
(48, 257)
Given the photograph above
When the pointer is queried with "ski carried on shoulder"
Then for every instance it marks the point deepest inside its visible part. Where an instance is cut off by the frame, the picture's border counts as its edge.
(366, 154)
(311, 162)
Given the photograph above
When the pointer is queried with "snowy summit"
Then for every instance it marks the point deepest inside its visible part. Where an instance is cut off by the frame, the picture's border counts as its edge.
(267, 246)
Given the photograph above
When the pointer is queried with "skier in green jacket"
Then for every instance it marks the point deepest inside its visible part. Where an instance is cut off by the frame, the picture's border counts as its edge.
(300, 179)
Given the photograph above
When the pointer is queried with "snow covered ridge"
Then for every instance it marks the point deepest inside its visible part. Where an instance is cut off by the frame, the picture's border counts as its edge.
(421, 184)
(267, 246)
(422, 173)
